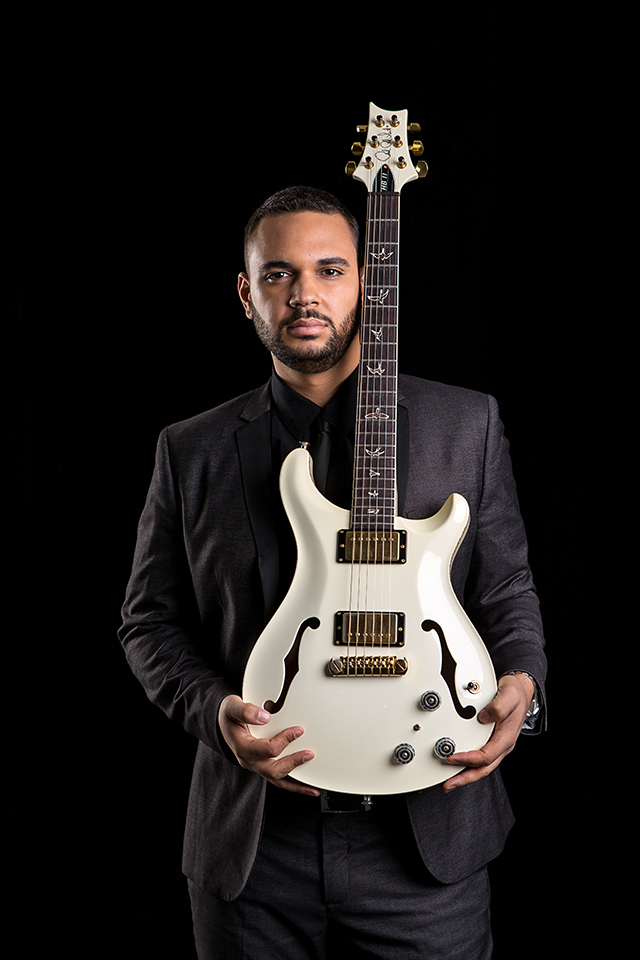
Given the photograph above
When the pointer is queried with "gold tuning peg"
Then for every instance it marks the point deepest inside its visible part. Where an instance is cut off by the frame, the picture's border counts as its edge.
(417, 149)
(421, 168)
(357, 149)
(350, 168)
(362, 129)
(414, 128)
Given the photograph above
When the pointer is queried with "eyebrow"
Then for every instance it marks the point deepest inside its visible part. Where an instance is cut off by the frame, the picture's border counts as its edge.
(285, 265)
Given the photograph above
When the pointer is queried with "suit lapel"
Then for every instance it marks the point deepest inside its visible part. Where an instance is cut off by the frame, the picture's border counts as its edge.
(254, 451)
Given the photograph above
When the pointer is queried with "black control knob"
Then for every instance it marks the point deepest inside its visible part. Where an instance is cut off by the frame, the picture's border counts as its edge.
(430, 700)
(445, 747)
(404, 753)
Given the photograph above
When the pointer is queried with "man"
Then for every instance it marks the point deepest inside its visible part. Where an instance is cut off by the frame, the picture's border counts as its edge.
(273, 869)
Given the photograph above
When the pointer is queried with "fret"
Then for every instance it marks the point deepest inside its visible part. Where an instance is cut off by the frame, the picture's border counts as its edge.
(374, 487)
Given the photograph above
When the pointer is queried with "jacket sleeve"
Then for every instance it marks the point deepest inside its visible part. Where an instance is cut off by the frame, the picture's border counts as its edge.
(500, 596)
(161, 630)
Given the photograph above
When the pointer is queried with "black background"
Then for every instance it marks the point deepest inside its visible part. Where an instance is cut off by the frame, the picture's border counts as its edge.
(140, 147)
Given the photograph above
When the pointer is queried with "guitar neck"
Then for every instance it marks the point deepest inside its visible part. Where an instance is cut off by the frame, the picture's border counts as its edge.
(374, 486)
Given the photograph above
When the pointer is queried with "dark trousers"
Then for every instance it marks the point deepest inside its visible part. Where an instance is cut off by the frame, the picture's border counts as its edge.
(322, 881)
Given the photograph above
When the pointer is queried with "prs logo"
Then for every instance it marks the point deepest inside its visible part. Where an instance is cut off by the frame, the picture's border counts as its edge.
(385, 142)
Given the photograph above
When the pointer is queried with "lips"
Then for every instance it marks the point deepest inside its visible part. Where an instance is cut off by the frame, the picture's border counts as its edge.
(307, 326)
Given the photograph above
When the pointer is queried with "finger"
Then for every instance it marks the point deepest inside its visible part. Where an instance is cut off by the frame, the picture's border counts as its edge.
(269, 749)
(275, 770)
(242, 712)
(279, 771)
(467, 776)
(500, 743)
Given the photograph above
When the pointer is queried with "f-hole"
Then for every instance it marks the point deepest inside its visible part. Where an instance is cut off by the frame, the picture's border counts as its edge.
(448, 670)
(291, 665)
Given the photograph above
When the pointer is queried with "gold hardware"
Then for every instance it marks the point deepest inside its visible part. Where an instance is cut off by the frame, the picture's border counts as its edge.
(357, 149)
(414, 128)
(368, 667)
(394, 121)
(350, 168)
(473, 686)
(370, 546)
(397, 142)
(417, 148)
(361, 129)
(421, 168)
(379, 121)
(369, 629)
(402, 162)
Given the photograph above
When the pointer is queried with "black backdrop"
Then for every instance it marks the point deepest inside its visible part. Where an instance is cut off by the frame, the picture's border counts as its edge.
(141, 150)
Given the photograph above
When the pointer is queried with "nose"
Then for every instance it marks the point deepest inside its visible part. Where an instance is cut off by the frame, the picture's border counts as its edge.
(303, 292)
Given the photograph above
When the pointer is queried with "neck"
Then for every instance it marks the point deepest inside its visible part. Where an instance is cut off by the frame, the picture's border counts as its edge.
(320, 387)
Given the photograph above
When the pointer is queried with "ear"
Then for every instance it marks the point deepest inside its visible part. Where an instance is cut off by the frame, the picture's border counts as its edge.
(244, 292)
(362, 280)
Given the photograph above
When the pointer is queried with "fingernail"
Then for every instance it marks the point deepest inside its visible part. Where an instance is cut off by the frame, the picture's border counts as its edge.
(264, 717)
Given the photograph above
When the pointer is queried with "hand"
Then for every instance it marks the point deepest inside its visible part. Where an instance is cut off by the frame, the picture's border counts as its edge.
(507, 710)
(262, 755)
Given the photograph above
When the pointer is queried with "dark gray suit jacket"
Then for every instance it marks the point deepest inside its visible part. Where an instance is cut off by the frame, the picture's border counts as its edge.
(203, 585)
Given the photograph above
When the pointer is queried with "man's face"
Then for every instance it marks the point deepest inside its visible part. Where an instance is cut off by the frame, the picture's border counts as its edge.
(302, 290)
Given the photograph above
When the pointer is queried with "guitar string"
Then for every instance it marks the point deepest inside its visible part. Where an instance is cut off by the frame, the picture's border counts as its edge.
(378, 425)
(373, 581)
(358, 527)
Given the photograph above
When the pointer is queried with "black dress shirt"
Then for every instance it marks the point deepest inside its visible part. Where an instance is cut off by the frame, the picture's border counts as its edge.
(296, 420)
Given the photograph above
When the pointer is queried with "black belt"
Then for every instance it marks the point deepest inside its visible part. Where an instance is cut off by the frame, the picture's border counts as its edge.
(332, 802)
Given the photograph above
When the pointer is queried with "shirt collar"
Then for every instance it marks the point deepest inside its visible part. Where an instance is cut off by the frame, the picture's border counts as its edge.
(299, 413)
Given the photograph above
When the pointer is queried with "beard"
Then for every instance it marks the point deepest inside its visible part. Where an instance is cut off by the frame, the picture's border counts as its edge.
(306, 356)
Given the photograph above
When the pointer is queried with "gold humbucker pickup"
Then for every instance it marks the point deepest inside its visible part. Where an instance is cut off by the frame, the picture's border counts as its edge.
(367, 667)
(372, 546)
(369, 629)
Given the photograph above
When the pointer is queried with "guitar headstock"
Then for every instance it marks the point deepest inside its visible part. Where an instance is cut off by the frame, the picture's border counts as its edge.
(387, 162)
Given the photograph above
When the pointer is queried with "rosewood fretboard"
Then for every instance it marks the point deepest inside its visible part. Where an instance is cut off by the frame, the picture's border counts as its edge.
(374, 486)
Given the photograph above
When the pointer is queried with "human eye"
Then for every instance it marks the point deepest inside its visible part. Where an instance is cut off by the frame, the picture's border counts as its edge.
(275, 275)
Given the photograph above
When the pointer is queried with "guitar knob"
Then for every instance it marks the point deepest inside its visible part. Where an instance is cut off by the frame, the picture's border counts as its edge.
(404, 753)
(350, 168)
(417, 148)
(430, 700)
(421, 168)
(357, 149)
(445, 747)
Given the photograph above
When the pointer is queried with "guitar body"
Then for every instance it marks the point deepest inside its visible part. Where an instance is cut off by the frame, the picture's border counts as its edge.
(372, 730)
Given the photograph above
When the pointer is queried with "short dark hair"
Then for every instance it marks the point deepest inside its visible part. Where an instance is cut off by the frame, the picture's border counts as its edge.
(296, 199)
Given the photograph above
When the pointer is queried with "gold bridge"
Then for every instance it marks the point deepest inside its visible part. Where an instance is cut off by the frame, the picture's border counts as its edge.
(369, 629)
(372, 546)
(387, 666)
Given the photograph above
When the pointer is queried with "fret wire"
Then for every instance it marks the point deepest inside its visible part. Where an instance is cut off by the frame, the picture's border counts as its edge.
(378, 396)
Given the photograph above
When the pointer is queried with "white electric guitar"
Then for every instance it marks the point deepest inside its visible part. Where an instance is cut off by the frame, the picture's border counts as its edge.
(370, 651)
